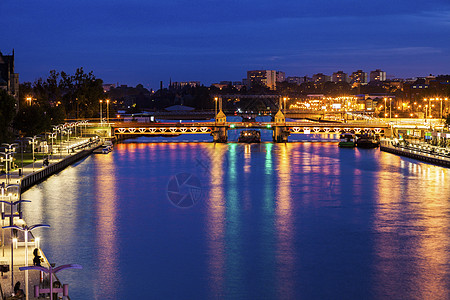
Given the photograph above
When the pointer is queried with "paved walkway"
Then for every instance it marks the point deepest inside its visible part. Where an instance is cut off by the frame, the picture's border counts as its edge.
(8, 279)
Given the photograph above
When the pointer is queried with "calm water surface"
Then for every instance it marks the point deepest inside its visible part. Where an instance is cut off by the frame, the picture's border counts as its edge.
(272, 221)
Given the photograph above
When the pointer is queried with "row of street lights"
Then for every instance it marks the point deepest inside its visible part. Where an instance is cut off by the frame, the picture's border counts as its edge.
(9, 150)
(11, 195)
(429, 105)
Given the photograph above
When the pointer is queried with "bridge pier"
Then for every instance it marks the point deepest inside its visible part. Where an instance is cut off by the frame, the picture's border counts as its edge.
(220, 134)
(280, 134)
(280, 131)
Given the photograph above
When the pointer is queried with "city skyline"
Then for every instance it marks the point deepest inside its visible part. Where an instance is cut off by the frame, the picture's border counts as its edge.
(210, 41)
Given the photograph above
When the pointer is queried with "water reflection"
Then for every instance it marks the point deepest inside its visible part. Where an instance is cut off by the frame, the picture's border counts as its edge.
(412, 237)
(284, 227)
(105, 226)
(216, 223)
(277, 221)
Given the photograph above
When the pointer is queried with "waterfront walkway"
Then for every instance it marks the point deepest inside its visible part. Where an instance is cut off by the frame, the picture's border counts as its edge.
(419, 150)
(72, 149)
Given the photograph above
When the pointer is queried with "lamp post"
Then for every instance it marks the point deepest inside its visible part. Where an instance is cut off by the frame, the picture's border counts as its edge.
(51, 271)
(215, 109)
(26, 229)
(13, 215)
(9, 151)
(101, 112)
(385, 107)
(284, 110)
(33, 141)
(52, 136)
(107, 111)
(390, 109)
(441, 99)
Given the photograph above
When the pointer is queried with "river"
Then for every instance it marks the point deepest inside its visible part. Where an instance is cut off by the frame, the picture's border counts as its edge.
(232, 221)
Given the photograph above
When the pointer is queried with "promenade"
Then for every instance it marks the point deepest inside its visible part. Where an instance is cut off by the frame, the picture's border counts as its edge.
(418, 150)
(71, 151)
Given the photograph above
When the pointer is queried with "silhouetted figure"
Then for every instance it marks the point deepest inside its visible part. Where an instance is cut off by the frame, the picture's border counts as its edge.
(18, 292)
(37, 258)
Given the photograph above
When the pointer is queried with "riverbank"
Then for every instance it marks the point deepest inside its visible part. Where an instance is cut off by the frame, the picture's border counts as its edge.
(33, 173)
(13, 256)
(434, 155)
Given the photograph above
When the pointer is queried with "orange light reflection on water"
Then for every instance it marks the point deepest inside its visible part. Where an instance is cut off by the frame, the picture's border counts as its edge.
(216, 223)
(412, 234)
(284, 226)
(106, 216)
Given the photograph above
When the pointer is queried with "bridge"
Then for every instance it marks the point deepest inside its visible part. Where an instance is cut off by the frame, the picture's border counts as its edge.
(219, 131)
(281, 128)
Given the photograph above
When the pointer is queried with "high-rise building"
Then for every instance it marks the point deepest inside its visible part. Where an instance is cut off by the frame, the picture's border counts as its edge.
(298, 80)
(9, 81)
(358, 77)
(339, 76)
(281, 76)
(266, 78)
(321, 78)
(377, 75)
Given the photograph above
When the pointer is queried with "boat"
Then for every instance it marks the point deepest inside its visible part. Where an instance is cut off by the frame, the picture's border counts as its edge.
(250, 136)
(367, 140)
(347, 140)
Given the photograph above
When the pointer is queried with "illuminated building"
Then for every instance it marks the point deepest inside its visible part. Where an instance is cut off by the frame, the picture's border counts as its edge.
(339, 76)
(358, 77)
(377, 75)
(266, 78)
(320, 78)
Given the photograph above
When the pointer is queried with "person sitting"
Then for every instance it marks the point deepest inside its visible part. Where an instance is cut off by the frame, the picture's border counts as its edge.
(37, 258)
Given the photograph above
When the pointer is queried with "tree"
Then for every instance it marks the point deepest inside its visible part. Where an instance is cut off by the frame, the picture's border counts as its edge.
(7, 112)
(32, 120)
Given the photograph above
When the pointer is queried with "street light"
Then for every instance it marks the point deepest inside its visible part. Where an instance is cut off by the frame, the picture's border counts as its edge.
(52, 136)
(51, 271)
(284, 111)
(101, 112)
(107, 111)
(9, 151)
(385, 107)
(390, 109)
(26, 229)
(11, 217)
(441, 99)
(33, 141)
(215, 109)
(58, 129)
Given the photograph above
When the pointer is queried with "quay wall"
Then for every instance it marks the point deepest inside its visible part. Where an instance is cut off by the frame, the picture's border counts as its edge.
(38, 176)
(416, 155)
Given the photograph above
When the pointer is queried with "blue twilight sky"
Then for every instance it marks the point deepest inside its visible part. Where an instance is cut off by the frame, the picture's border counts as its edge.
(136, 41)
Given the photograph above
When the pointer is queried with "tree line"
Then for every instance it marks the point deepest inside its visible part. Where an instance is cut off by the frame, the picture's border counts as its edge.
(50, 101)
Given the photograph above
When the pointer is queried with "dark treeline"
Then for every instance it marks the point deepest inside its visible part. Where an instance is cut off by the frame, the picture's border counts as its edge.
(60, 96)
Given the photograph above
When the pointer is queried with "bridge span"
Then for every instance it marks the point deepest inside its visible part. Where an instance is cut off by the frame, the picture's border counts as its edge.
(281, 130)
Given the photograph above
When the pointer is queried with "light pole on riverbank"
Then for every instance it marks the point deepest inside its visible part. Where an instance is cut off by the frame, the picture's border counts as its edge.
(51, 271)
(11, 216)
(101, 113)
(9, 151)
(215, 109)
(33, 141)
(26, 229)
(107, 111)
(52, 136)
